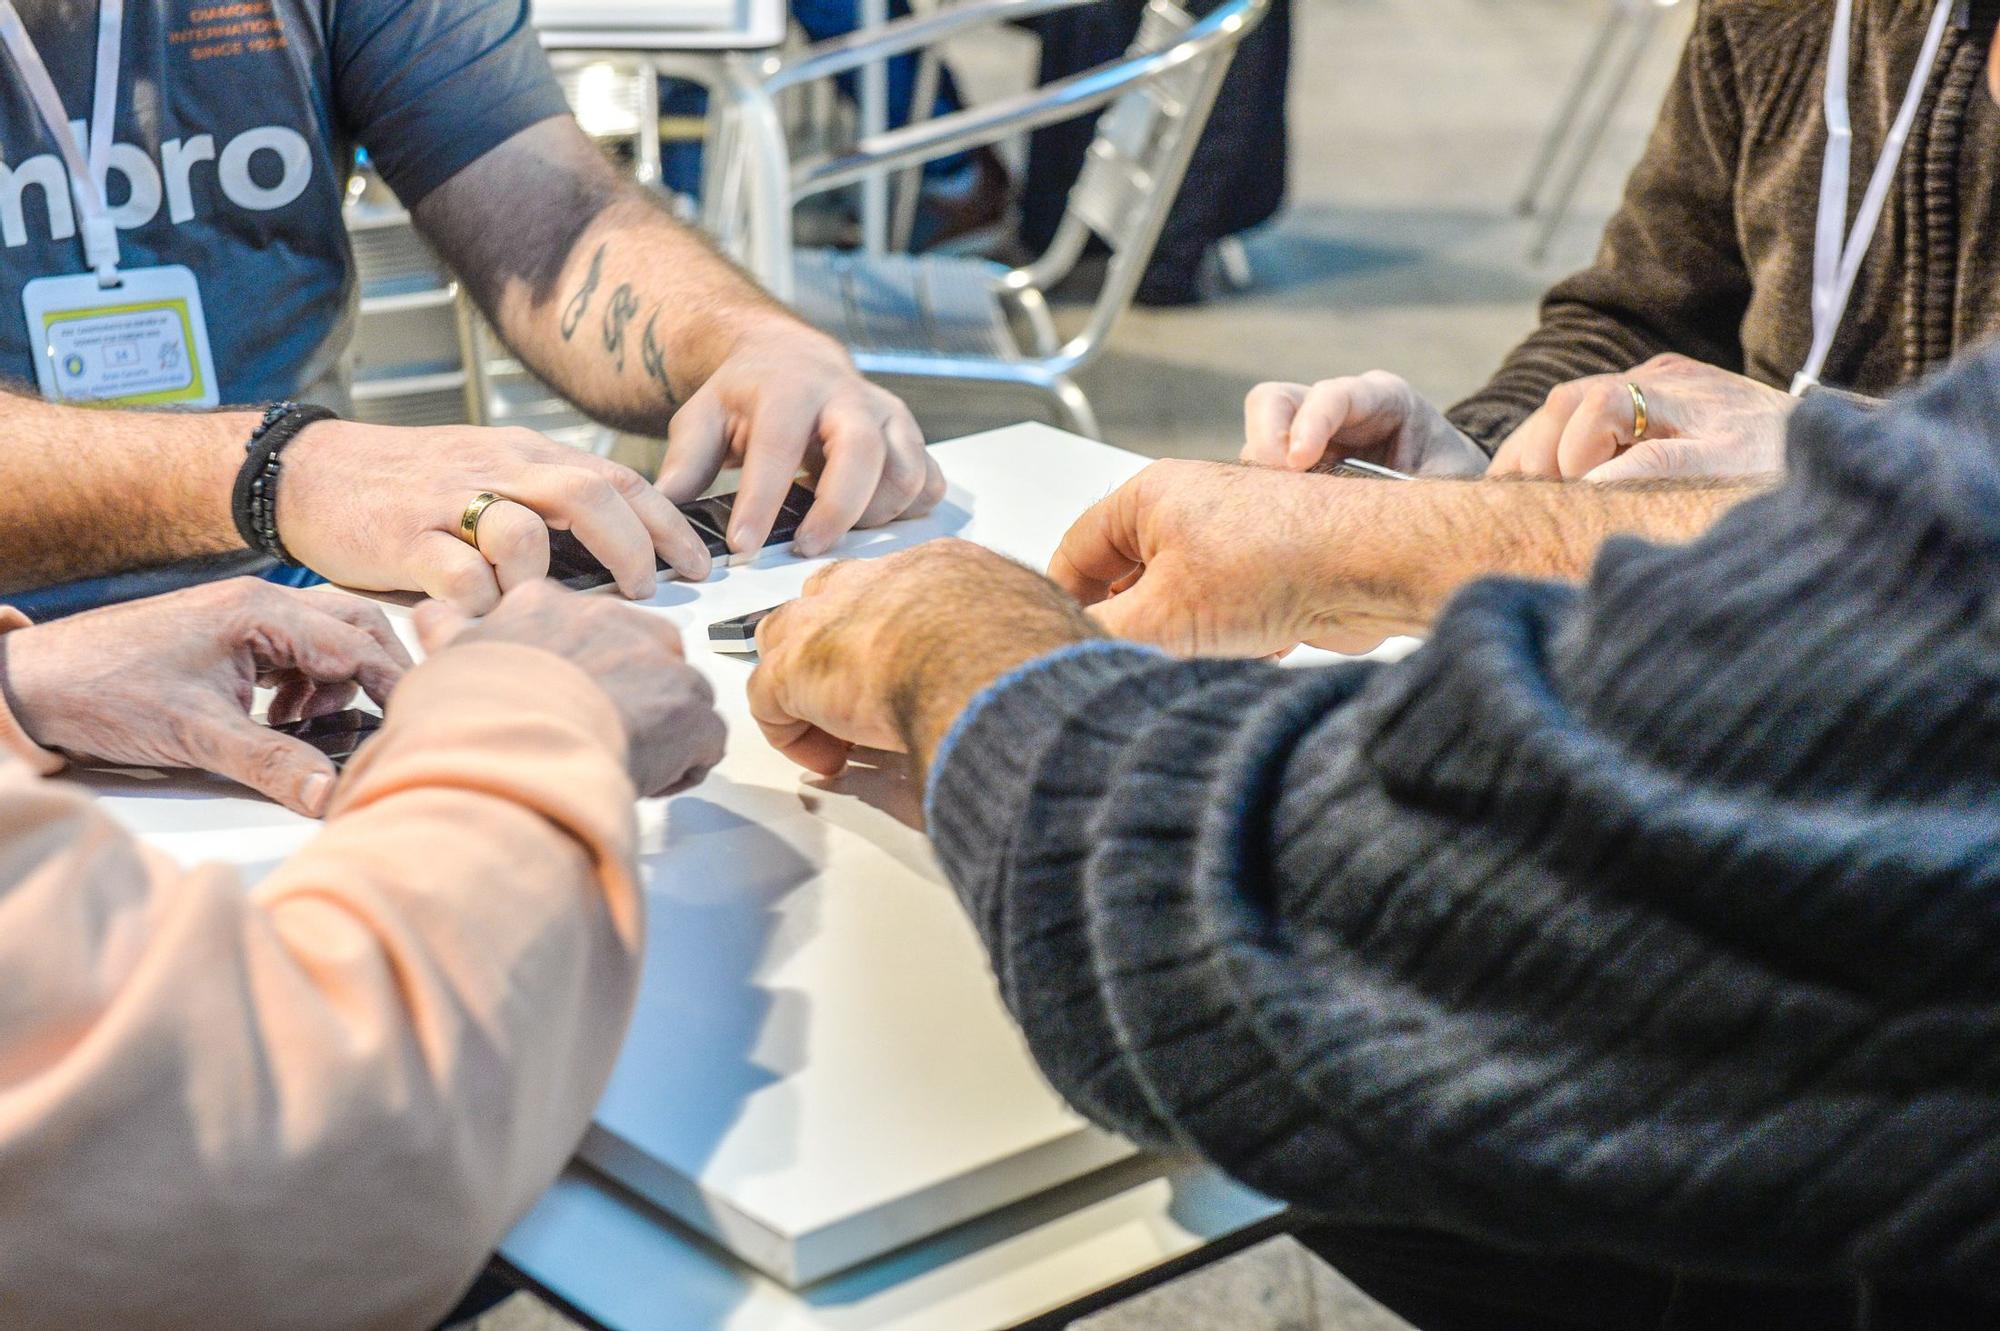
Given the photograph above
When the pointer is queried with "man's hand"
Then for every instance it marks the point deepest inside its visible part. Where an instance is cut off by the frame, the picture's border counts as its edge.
(1212, 559)
(168, 682)
(1700, 421)
(787, 397)
(378, 508)
(885, 654)
(634, 316)
(673, 736)
(1376, 417)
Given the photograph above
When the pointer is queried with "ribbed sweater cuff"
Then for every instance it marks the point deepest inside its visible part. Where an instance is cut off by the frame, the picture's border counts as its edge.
(984, 772)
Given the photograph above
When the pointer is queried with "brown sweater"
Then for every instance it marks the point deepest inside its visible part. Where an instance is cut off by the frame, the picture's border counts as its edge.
(1711, 253)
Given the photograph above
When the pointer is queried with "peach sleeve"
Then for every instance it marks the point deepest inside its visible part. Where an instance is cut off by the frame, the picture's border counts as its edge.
(322, 1101)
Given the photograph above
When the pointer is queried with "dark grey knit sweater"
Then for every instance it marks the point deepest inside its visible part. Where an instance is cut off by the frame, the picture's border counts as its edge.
(1659, 917)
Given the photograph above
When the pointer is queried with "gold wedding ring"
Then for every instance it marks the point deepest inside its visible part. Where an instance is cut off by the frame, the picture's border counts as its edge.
(468, 521)
(1638, 412)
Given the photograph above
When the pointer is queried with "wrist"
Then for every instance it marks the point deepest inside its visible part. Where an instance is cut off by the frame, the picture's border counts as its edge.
(218, 463)
(943, 665)
(1378, 553)
(757, 330)
(30, 689)
(305, 468)
(255, 497)
(936, 693)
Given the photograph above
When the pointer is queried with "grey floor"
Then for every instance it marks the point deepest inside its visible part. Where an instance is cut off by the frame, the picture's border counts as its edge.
(1413, 124)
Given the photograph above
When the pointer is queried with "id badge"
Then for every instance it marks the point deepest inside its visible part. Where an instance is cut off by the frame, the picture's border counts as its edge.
(142, 343)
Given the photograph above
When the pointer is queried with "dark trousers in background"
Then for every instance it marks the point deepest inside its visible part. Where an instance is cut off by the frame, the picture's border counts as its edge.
(1441, 1282)
(822, 20)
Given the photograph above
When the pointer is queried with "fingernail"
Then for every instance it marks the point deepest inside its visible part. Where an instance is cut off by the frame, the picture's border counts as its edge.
(316, 793)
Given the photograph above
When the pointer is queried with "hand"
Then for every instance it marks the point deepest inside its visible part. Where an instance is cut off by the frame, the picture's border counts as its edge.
(1700, 421)
(1376, 417)
(1211, 559)
(673, 736)
(786, 398)
(885, 654)
(167, 682)
(377, 508)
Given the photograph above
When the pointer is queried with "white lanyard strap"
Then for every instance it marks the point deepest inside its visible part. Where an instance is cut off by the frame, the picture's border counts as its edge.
(88, 179)
(1837, 251)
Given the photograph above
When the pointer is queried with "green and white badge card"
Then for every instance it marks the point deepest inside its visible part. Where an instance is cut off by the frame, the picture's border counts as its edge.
(140, 343)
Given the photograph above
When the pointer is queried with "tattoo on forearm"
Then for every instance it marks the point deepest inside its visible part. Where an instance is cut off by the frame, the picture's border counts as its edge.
(653, 359)
(617, 314)
(579, 304)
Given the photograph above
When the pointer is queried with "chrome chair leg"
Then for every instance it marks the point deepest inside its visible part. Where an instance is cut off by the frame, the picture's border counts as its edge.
(1565, 122)
(1077, 415)
(1646, 22)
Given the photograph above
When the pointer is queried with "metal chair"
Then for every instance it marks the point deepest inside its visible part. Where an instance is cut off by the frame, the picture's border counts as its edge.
(1636, 20)
(945, 317)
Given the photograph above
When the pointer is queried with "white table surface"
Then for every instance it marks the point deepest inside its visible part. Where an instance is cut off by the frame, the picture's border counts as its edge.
(819, 1071)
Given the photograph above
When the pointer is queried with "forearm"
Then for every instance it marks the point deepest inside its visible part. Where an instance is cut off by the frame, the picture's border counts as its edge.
(1418, 945)
(643, 313)
(92, 491)
(1400, 551)
(412, 1039)
(620, 307)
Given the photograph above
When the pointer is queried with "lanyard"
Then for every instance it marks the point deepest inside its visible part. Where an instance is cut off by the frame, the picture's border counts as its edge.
(87, 179)
(1837, 251)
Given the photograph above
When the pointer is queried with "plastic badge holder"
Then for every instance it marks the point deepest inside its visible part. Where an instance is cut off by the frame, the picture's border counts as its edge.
(576, 568)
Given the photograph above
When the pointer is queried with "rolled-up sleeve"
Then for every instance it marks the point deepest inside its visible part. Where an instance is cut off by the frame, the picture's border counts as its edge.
(431, 86)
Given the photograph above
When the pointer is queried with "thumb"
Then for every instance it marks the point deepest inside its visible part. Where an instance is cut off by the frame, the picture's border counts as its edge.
(438, 622)
(284, 769)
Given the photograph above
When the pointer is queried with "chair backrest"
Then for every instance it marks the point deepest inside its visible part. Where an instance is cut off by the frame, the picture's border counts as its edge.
(1155, 100)
(1135, 133)
(1134, 166)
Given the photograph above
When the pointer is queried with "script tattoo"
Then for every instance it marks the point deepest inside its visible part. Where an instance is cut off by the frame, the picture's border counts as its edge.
(653, 358)
(580, 303)
(616, 315)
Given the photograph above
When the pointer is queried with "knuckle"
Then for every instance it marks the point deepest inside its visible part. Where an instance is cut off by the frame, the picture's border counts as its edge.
(525, 442)
(1565, 396)
(513, 537)
(578, 488)
(465, 582)
(269, 763)
(902, 487)
(189, 733)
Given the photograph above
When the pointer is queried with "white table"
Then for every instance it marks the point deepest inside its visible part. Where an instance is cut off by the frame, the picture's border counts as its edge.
(819, 1073)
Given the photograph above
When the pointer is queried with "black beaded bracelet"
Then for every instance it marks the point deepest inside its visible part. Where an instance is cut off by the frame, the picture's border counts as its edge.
(254, 502)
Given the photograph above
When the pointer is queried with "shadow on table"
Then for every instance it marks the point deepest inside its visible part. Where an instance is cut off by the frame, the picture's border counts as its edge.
(708, 1032)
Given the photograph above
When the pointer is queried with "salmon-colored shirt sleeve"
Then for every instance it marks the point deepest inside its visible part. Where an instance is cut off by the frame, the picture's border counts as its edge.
(322, 1101)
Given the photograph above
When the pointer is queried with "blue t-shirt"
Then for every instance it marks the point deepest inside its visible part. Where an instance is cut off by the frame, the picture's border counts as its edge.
(236, 131)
